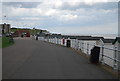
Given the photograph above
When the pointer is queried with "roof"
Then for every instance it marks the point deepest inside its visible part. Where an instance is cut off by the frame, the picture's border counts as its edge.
(55, 35)
(82, 37)
(75, 37)
(108, 40)
(41, 35)
(4, 24)
(117, 39)
(90, 38)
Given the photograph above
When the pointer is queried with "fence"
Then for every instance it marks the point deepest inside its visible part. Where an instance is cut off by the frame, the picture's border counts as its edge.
(108, 54)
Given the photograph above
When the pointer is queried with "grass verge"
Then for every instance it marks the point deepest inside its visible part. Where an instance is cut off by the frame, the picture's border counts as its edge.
(5, 42)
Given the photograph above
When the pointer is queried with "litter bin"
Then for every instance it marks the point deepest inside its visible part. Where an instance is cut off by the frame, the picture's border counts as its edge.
(68, 43)
(94, 57)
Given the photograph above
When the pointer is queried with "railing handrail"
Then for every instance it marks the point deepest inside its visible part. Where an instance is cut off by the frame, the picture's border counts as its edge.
(101, 46)
(112, 58)
(106, 47)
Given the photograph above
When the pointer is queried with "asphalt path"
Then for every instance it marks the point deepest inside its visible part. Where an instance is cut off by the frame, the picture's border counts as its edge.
(31, 59)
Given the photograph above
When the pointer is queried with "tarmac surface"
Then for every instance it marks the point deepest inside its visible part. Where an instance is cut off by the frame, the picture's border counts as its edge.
(32, 59)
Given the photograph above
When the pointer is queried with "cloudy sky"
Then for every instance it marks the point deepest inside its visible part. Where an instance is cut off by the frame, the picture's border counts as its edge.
(65, 17)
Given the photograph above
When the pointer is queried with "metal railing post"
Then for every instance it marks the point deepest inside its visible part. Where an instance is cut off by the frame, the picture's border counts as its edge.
(102, 52)
(77, 45)
(88, 48)
(82, 46)
(115, 56)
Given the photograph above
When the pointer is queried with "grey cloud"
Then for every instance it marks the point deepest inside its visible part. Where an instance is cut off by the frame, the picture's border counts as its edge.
(65, 6)
(106, 6)
(22, 4)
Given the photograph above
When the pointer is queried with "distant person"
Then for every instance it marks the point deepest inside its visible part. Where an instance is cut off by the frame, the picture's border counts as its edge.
(36, 37)
(11, 39)
(22, 35)
(63, 40)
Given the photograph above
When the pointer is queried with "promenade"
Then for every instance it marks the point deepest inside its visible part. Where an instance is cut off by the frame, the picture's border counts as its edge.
(31, 59)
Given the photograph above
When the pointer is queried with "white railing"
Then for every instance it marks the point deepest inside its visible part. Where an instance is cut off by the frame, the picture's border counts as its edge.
(104, 56)
(108, 55)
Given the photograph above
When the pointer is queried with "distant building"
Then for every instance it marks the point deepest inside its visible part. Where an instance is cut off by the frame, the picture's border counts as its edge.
(19, 33)
(5, 28)
(117, 41)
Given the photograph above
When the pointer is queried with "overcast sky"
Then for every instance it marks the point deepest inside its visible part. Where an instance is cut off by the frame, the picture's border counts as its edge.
(65, 17)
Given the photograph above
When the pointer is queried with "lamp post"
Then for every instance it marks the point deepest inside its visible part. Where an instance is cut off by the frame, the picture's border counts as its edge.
(34, 30)
(5, 18)
(3, 28)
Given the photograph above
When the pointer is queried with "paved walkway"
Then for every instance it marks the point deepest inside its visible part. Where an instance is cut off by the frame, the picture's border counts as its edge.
(31, 59)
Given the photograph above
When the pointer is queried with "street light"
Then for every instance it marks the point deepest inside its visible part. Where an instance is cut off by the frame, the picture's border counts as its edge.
(34, 30)
(5, 18)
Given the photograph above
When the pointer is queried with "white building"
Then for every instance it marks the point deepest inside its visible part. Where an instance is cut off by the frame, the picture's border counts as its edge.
(107, 44)
(87, 43)
(116, 44)
(5, 28)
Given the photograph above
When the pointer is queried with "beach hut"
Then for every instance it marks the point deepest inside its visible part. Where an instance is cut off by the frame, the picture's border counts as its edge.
(86, 43)
(107, 44)
(116, 44)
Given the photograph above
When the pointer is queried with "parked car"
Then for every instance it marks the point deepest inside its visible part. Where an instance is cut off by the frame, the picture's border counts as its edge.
(8, 34)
